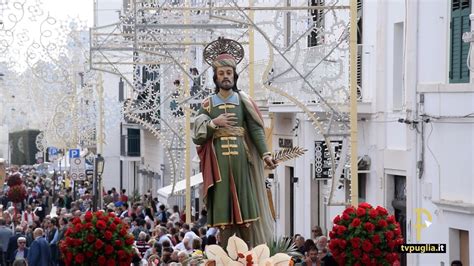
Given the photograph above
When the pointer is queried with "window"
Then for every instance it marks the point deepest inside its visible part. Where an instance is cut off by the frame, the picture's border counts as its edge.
(362, 187)
(317, 20)
(287, 22)
(460, 23)
(121, 90)
(359, 48)
(130, 143)
(398, 63)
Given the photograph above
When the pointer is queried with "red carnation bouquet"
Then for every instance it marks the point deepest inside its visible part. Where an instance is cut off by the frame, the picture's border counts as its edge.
(99, 239)
(14, 180)
(17, 193)
(16, 190)
(365, 236)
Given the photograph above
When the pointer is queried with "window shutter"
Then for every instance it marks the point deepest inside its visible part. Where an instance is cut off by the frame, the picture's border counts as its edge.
(359, 48)
(133, 138)
(460, 23)
(316, 37)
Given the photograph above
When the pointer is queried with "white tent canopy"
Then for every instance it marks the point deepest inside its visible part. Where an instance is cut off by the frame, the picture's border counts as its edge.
(165, 192)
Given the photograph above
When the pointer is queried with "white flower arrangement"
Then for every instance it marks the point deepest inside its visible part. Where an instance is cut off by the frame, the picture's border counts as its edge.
(238, 254)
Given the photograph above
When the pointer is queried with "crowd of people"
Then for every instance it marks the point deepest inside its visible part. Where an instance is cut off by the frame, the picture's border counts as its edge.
(315, 249)
(30, 231)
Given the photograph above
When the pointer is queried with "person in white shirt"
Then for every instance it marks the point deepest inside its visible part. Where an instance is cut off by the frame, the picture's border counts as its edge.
(186, 243)
(47, 182)
(185, 246)
(211, 231)
(22, 251)
(8, 215)
(160, 234)
(81, 191)
(149, 218)
(124, 211)
(175, 216)
(28, 216)
(316, 233)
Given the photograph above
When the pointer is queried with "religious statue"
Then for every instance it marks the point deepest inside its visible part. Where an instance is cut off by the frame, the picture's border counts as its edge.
(230, 133)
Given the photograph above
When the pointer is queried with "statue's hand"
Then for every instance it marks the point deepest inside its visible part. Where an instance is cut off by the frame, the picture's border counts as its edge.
(210, 263)
(225, 120)
(270, 162)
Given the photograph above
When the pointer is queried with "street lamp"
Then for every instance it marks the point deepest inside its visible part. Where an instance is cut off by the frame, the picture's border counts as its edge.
(98, 170)
(99, 165)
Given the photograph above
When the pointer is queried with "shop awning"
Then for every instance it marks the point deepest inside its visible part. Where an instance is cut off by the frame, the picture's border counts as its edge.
(165, 192)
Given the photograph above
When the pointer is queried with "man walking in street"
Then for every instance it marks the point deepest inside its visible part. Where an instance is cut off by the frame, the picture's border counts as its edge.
(13, 242)
(5, 234)
(21, 252)
(39, 253)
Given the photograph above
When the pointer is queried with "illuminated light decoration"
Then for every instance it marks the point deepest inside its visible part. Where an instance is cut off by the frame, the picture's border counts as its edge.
(49, 70)
(289, 66)
(113, 113)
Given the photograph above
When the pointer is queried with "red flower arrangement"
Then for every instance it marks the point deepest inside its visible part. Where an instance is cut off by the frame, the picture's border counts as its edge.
(99, 239)
(365, 236)
(14, 180)
(17, 193)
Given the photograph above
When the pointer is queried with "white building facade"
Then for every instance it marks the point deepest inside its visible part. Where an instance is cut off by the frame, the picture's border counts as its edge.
(105, 13)
(415, 127)
(422, 100)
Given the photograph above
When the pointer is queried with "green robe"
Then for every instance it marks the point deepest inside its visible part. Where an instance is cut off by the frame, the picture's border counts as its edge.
(232, 199)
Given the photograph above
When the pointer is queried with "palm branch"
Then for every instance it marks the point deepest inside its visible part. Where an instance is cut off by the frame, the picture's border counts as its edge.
(284, 245)
(195, 260)
(288, 154)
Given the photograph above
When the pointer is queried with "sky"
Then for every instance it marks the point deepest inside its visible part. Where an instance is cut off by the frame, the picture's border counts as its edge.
(63, 9)
(27, 30)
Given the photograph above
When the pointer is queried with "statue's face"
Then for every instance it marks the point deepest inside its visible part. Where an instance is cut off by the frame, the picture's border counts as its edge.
(225, 77)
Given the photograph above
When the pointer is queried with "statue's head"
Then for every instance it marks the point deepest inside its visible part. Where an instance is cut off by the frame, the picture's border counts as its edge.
(224, 55)
(225, 75)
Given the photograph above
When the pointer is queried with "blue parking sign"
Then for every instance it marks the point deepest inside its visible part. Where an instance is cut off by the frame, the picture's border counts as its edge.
(52, 151)
(52, 154)
(74, 153)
